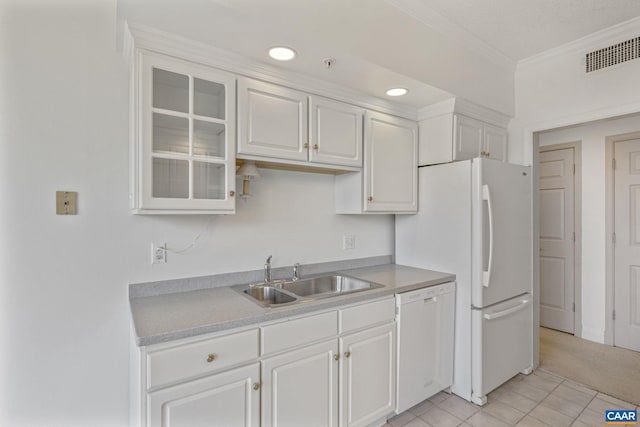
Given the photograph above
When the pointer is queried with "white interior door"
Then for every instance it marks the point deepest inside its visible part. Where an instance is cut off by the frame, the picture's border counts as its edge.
(557, 234)
(627, 246)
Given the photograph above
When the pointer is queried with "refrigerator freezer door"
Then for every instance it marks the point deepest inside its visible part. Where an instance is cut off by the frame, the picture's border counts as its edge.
(501, 231)
(501, 344)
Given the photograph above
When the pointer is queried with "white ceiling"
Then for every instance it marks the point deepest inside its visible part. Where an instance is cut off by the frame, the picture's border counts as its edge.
(436, 48)
(522, 28)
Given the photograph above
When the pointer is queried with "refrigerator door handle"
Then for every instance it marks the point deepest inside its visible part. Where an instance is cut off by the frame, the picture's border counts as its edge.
(523, 304)
(486, 275)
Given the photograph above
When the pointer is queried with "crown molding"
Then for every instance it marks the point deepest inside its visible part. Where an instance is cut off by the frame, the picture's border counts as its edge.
(419, 10)
(138, 36)
(464, 107)
(611, 35)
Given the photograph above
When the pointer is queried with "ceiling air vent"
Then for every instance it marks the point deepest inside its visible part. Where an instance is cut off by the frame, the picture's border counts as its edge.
(614, 54)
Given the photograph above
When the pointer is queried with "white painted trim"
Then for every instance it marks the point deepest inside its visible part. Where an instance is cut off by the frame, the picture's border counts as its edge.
(577, 223)
(417, 9)
(614, 34)
(464, 107)
(609, 337)
(147, 38)
(586, 117)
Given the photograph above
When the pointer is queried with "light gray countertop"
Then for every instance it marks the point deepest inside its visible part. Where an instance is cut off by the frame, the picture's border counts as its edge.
(168, 317)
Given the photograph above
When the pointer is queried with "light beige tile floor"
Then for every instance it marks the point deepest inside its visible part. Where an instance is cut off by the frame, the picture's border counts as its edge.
(541, 399)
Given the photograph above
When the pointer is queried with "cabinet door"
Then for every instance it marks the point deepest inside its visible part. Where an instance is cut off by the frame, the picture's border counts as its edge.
(300, 388)
(367, 375)
(272, 120)
(467, 138)
(495, 143)
(390, 167)
(184, 154)
(226, 399)
(336, 132)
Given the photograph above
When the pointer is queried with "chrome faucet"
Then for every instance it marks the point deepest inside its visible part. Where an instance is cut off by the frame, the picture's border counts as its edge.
(295, 271)
(267, 270)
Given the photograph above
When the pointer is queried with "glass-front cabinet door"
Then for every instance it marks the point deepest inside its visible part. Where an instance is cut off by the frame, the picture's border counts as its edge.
(186, 150)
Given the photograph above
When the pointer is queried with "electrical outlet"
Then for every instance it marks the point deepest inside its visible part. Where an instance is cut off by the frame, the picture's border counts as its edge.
(348, 241)
(158, 253)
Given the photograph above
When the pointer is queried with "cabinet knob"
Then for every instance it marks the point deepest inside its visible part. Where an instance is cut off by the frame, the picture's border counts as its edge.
(347, 354)
(306, 145)
(488, 154)
(232, 193)
(336, 357)
(256, 386)
(211, 357)
(315, 146)
(370, 198)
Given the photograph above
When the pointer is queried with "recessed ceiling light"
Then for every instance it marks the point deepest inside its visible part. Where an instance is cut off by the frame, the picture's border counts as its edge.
(282, 53)
(396, 91)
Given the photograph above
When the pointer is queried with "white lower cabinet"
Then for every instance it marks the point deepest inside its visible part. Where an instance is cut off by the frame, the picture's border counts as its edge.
(367, 375)
(335, 368)
(230, 398)
(299, 388)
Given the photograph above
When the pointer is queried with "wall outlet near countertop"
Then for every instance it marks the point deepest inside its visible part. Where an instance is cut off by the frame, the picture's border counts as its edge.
(158, 253)
(348, 241)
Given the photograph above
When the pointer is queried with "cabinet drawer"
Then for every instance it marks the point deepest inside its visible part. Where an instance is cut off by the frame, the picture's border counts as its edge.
(186, 361)
(296, 332)
(365, 315)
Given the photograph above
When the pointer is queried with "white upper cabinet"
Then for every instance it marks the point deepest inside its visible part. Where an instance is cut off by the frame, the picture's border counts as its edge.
(495, 142)
(282, 125)
(468, 138)
(335, 132)
(390, 172)
(447, 135)
(183, 139)
(272, 120)
(388, 183)
(474, 138)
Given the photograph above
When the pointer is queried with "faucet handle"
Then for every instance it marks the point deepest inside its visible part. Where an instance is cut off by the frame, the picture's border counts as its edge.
(268, 261)
(295, 271)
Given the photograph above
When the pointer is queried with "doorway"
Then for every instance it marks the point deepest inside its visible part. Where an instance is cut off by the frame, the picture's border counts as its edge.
(559, 244)
(624, 208)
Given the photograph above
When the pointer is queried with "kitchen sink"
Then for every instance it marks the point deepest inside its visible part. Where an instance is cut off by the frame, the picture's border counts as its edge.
(276, 293)
(269, 295)
(333, 284)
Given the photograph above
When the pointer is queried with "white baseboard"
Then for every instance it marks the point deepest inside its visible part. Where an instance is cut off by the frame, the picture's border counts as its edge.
(595, 335)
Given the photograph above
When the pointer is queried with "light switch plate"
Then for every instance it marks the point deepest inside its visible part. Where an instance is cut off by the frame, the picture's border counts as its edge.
(66, 203)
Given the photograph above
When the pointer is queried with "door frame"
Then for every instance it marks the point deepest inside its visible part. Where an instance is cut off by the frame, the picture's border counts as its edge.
(577, 224)
(609, 228)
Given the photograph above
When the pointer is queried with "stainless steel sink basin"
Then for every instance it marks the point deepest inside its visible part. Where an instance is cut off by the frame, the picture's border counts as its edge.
(296, 291)
(333, 284)
(268, 295)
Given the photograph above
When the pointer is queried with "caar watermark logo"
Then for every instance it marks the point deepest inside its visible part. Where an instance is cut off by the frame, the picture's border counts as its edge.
(621, 416)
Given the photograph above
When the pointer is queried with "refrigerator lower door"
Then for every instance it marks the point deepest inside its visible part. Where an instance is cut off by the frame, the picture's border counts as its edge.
(500, 345)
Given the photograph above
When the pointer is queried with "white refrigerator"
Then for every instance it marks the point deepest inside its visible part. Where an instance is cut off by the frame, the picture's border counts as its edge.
(474, 220)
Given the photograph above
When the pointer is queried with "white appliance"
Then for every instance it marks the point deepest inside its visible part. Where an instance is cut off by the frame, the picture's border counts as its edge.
(425, 343)
(474, 220)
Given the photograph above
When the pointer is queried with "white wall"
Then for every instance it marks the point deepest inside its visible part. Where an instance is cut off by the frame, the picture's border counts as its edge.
(64, 325)
(553, 90)
(593, 137)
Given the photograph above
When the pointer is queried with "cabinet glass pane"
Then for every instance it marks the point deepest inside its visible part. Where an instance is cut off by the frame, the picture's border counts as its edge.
(208, 138)
(170, 134)
(170, 178)
(170, 91)
(208, 180)
(208, 99)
